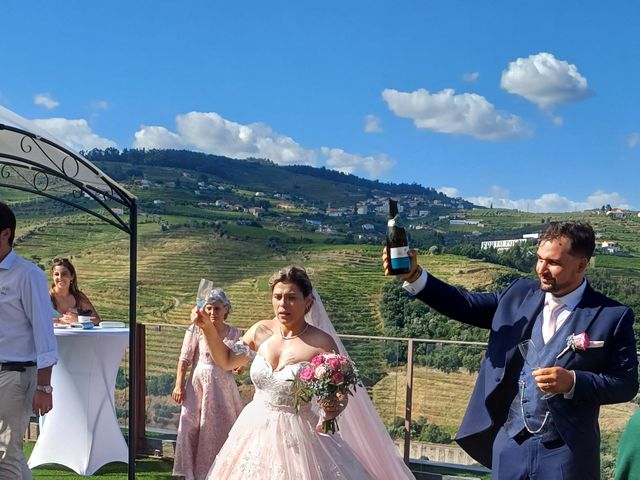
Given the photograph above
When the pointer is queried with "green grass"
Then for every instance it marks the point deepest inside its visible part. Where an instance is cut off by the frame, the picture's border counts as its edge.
(151, 468)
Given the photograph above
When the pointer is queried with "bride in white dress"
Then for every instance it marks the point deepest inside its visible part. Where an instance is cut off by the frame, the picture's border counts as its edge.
(270, 440)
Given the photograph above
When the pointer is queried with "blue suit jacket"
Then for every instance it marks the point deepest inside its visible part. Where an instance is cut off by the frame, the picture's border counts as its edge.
(603, 375)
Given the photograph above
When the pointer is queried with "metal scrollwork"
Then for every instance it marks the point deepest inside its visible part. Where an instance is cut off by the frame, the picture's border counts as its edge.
(40, 181)
(55, 172)
(4, 173)
(74, 164)
(26, 148)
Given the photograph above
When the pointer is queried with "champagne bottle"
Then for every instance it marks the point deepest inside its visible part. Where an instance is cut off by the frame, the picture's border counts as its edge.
(397, 244)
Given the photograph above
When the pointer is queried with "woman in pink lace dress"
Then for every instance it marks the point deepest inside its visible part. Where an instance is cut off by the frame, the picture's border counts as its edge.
(210, 401)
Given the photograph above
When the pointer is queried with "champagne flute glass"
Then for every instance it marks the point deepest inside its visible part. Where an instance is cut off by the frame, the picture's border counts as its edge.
(532, 359)
(204, 288)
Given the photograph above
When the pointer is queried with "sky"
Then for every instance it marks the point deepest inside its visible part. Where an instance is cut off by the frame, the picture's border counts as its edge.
(515, 104)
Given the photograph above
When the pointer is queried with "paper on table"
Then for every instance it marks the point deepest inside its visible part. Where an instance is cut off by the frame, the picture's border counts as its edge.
(112, 324)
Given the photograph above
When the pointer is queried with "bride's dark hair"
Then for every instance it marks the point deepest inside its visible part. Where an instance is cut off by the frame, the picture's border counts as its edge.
(293, 274)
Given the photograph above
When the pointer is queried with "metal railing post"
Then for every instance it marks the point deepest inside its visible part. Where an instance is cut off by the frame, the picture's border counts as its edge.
(408, 402)
(140, 410)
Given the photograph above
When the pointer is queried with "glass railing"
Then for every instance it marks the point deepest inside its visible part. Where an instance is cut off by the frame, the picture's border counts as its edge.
(420, 389)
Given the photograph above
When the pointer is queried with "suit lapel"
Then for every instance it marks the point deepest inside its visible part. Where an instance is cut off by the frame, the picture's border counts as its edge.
(529, 309)
(583, 316)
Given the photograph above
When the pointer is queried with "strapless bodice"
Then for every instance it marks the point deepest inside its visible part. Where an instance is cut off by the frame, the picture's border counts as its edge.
(275, 387)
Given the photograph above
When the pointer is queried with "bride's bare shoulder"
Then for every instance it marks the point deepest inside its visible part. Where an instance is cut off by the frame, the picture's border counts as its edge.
(259, 332)
(322, 340)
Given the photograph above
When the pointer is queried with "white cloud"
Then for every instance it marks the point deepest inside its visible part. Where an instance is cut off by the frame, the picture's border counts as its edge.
(99, 105)
(211, 133)
(45, 100)
(551, 202)
(449, 191)
(471, 76)
(600, 197)
(498, 191)
(374, 165)
(633, 139)
(557, 120)
(545, 80)
(76, 134)
(463, 114)
(372, 124)
(157, 137)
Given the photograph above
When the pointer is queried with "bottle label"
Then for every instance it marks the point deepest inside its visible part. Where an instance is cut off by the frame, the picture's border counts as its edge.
(400, 258)
(394, 222)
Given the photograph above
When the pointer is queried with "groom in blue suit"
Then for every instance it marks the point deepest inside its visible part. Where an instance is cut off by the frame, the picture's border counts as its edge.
(583, 339)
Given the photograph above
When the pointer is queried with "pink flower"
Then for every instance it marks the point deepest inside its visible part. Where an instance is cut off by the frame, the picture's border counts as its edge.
(317, 360)
(306, 374)
(337, 378)
(320, 372)
(580, 342)
(345, 366)
(334, 363)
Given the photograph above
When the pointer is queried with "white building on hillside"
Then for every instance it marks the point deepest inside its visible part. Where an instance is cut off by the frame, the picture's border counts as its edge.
(610, 246)
(501, 244)
(363, 209)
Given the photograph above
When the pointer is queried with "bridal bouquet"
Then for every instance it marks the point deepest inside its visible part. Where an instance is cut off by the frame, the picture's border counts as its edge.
(328, 377)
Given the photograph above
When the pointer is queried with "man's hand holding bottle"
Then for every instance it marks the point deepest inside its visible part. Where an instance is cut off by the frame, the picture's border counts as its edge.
(414, 272)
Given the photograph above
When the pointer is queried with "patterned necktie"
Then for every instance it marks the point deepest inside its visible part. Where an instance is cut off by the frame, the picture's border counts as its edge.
(549, 326)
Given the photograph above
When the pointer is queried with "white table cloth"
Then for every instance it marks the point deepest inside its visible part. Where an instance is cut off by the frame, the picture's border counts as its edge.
(82, 432)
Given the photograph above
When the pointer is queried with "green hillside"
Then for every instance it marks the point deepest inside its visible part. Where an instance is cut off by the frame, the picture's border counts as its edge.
(316, 185)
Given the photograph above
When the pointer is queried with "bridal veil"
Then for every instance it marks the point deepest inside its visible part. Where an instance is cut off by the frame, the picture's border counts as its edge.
(360, 425)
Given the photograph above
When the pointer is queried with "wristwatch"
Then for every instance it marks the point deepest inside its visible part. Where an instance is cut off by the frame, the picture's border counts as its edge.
(44, 388)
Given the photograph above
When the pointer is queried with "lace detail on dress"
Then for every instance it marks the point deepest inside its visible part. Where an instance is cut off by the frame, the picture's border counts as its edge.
(242, 349)
(251, 467)
(275, 387)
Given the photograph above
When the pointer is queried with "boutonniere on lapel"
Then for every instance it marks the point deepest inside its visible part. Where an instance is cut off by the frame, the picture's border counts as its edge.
(580, 342)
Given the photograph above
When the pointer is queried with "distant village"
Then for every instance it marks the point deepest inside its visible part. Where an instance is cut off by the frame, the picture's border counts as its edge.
(413, 209)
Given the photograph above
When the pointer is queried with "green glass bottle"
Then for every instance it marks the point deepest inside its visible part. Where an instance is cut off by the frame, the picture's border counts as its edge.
(397, 243)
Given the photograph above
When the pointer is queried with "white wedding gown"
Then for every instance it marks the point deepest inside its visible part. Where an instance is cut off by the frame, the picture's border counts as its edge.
(270, 441)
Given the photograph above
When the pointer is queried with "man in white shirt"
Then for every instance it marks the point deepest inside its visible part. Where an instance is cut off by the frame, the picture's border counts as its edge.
(28, 349)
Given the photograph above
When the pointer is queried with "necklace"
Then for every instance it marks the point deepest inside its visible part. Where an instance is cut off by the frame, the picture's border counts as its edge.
(306, 325)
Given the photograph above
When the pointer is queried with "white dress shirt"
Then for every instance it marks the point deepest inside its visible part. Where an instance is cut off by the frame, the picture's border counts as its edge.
(26, 328)
(570, 302)
(414, 287)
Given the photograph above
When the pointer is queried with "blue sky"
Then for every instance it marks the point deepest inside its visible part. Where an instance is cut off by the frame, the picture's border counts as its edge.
(530, 105)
